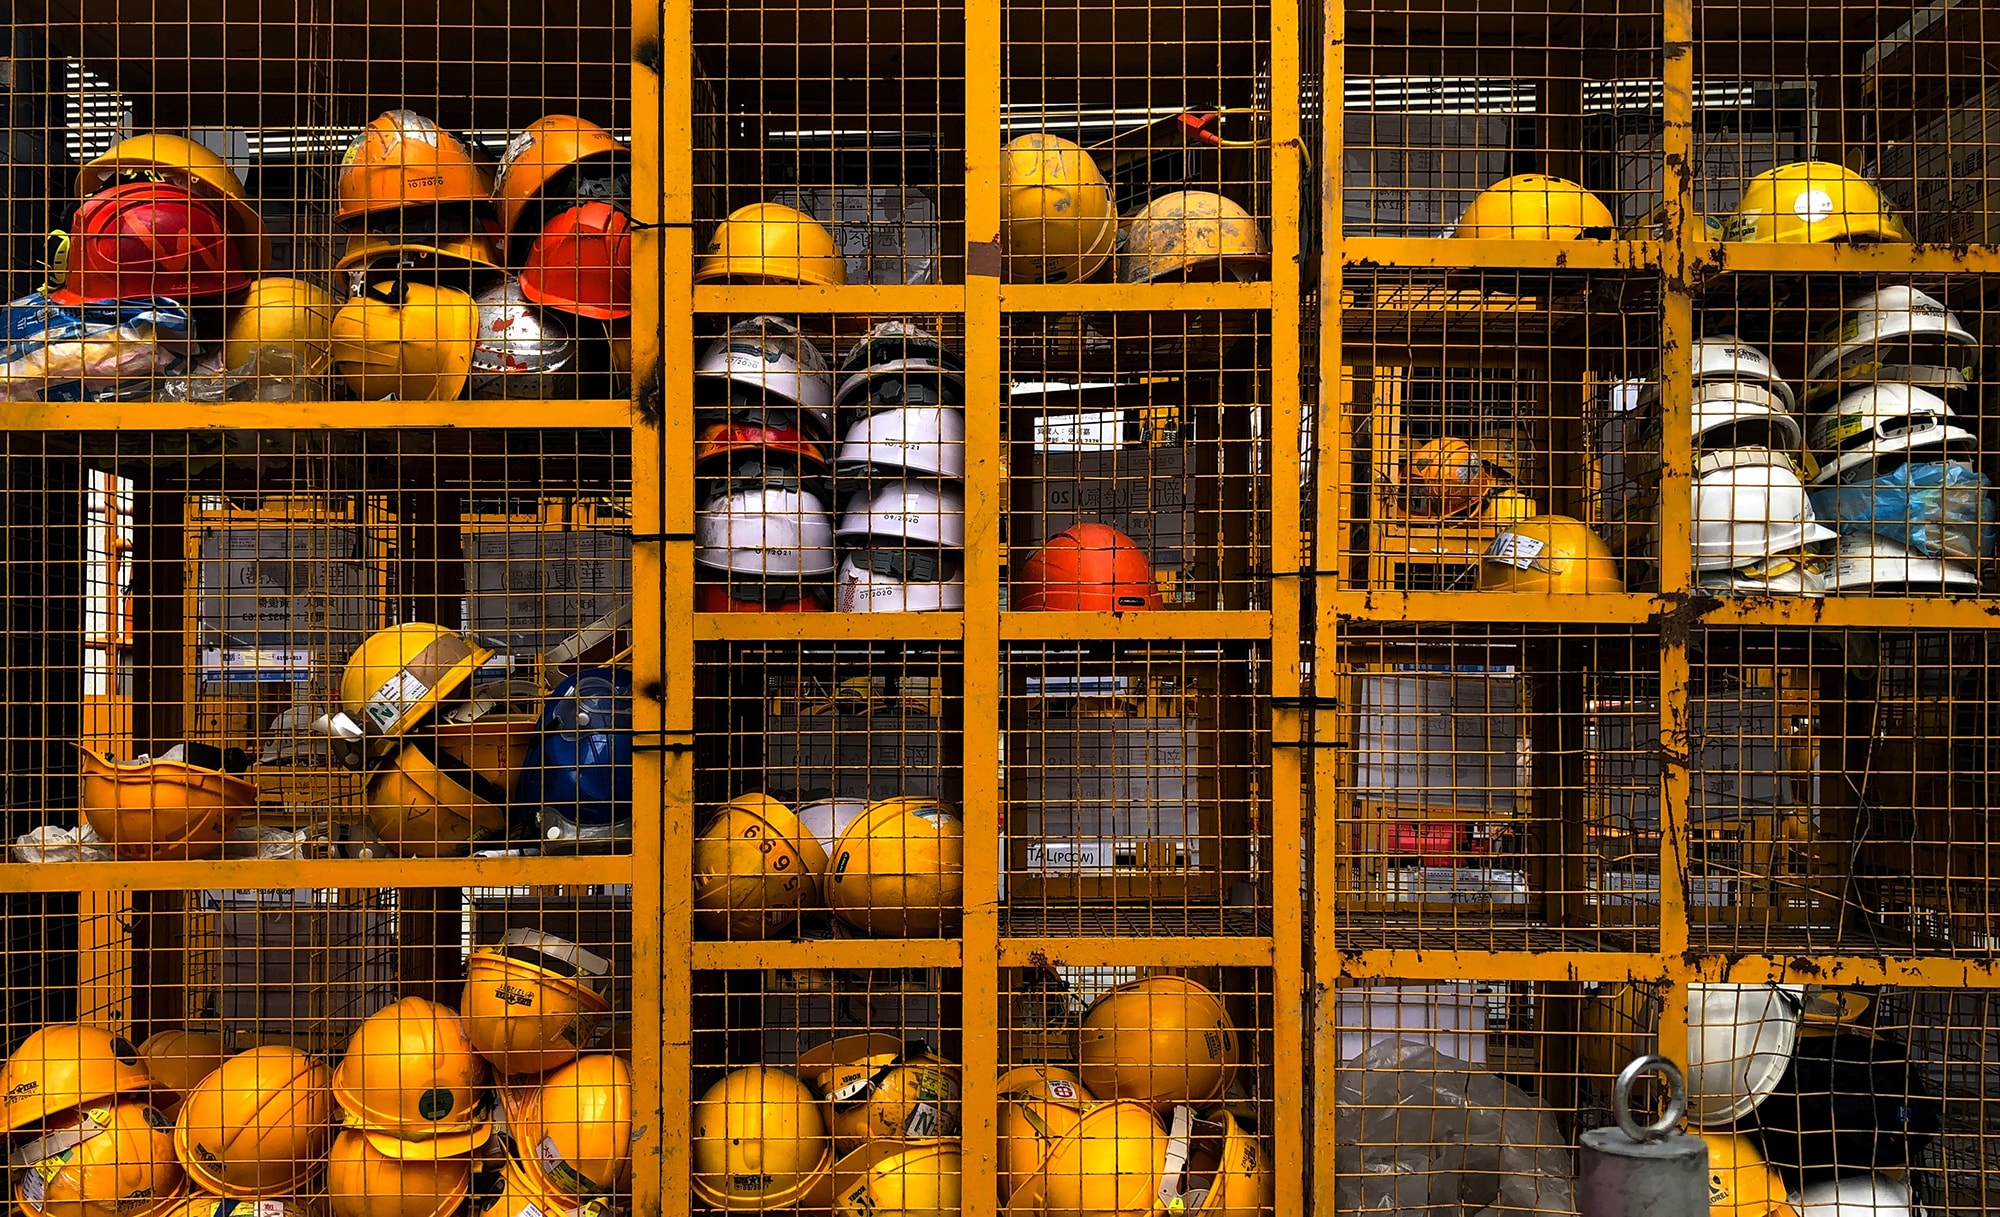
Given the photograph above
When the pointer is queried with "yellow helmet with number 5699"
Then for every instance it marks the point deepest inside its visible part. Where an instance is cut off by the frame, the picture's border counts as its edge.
(755, 868)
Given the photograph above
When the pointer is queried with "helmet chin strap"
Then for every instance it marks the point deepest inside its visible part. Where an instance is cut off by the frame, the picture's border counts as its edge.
(1173, 1170)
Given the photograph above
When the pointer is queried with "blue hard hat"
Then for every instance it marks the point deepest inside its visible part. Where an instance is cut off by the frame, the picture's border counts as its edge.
(580, 767)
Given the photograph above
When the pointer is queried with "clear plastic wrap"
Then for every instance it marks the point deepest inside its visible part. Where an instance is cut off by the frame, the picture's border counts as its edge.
(1420, 1134)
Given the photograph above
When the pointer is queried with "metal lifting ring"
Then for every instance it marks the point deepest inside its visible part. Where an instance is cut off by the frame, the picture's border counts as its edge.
(1621, 1098)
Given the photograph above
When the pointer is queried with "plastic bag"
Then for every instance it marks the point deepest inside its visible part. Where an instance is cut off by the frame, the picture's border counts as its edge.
(93, 352)
(1420, 1134)
(51, 844)
(272, 373)
(1940, 509)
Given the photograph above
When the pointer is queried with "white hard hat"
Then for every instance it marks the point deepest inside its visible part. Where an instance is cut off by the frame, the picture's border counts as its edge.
(897, 364)
(1740, 1041)
(762, 356)
(921, 439)
(1731, 414)
(889, 580)
(764, 529)
(1726, 358)
(907, 508)
(1750, 506)
(1796, 574)
(1880, 420)
(1869, 564)
(519, 347)
(1856, 1196)
(1894, 325)
(828, 818)
(1945, 382)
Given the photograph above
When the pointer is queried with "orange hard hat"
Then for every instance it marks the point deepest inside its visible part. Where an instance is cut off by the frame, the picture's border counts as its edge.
(542, 152)
(403, 159)
(723, 439)
(582, 263)
(144, 240)
(1087, 568)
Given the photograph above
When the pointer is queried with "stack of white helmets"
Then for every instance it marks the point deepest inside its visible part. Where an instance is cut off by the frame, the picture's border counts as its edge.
(1895, 474)
(1752, 522)
(763, 531)
(901, 465)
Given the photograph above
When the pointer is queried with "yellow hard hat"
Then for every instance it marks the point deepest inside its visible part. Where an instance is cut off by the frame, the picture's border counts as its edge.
(1194, 235)
(156, 810)
(533, 1002)
(1161, 1040)
(755, 868)
(1740, 1182)
(577, 1128)
(898, 1179)
(399, 675)
(404, 340)
(1506, 506)
(1223, 1163)
(1810, 202)
(403, 159)
(258, 1125)
(283, 312)
(1039, 1105)
(361, 1181)
(1549, 553)
(1109, 1163)
(177, 1061)
(544, 149)
(771, 243)
(102, 1162)
(66, 1065)
(503, 1186)
(760, 1143)
(424, 803)
(179, 159)
(371, 250)
(878, 1087)
(412, 1080)
(898, 869)
(1057, 221)
(1535, 207)
(494, 731)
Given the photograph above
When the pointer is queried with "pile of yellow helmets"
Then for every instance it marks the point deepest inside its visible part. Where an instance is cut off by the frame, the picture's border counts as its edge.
(438, 778)
(867, 1124)
(892, 868)
(1141, 1126)
(409, 1123)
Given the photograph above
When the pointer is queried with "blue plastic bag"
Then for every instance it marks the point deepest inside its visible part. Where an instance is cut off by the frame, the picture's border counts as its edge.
(89, 352)
(1940, 509)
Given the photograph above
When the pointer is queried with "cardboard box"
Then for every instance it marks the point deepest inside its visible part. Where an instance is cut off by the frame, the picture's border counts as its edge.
(278, 597)
(1438, 740)
(853, 756)
(1411, 175)
(1147, 493)
(1097, 796)
(294, 966)
(527, 590)
(1945, 181)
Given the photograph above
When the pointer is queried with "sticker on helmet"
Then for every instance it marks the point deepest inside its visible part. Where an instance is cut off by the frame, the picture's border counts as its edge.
(1515, 550)
(1814, 205)
(435, 1103)
(515, 147)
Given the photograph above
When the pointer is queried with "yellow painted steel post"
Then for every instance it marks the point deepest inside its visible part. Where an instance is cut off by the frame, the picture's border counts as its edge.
(662, 603)
(1291, 1098)
(1328, 427)
(985, 569)
(1677, 337)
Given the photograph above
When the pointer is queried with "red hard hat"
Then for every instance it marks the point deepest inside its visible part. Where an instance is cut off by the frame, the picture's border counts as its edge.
(715, 598)
(1087, 568)
(582, 263)
(144, 240)
(721, 439)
